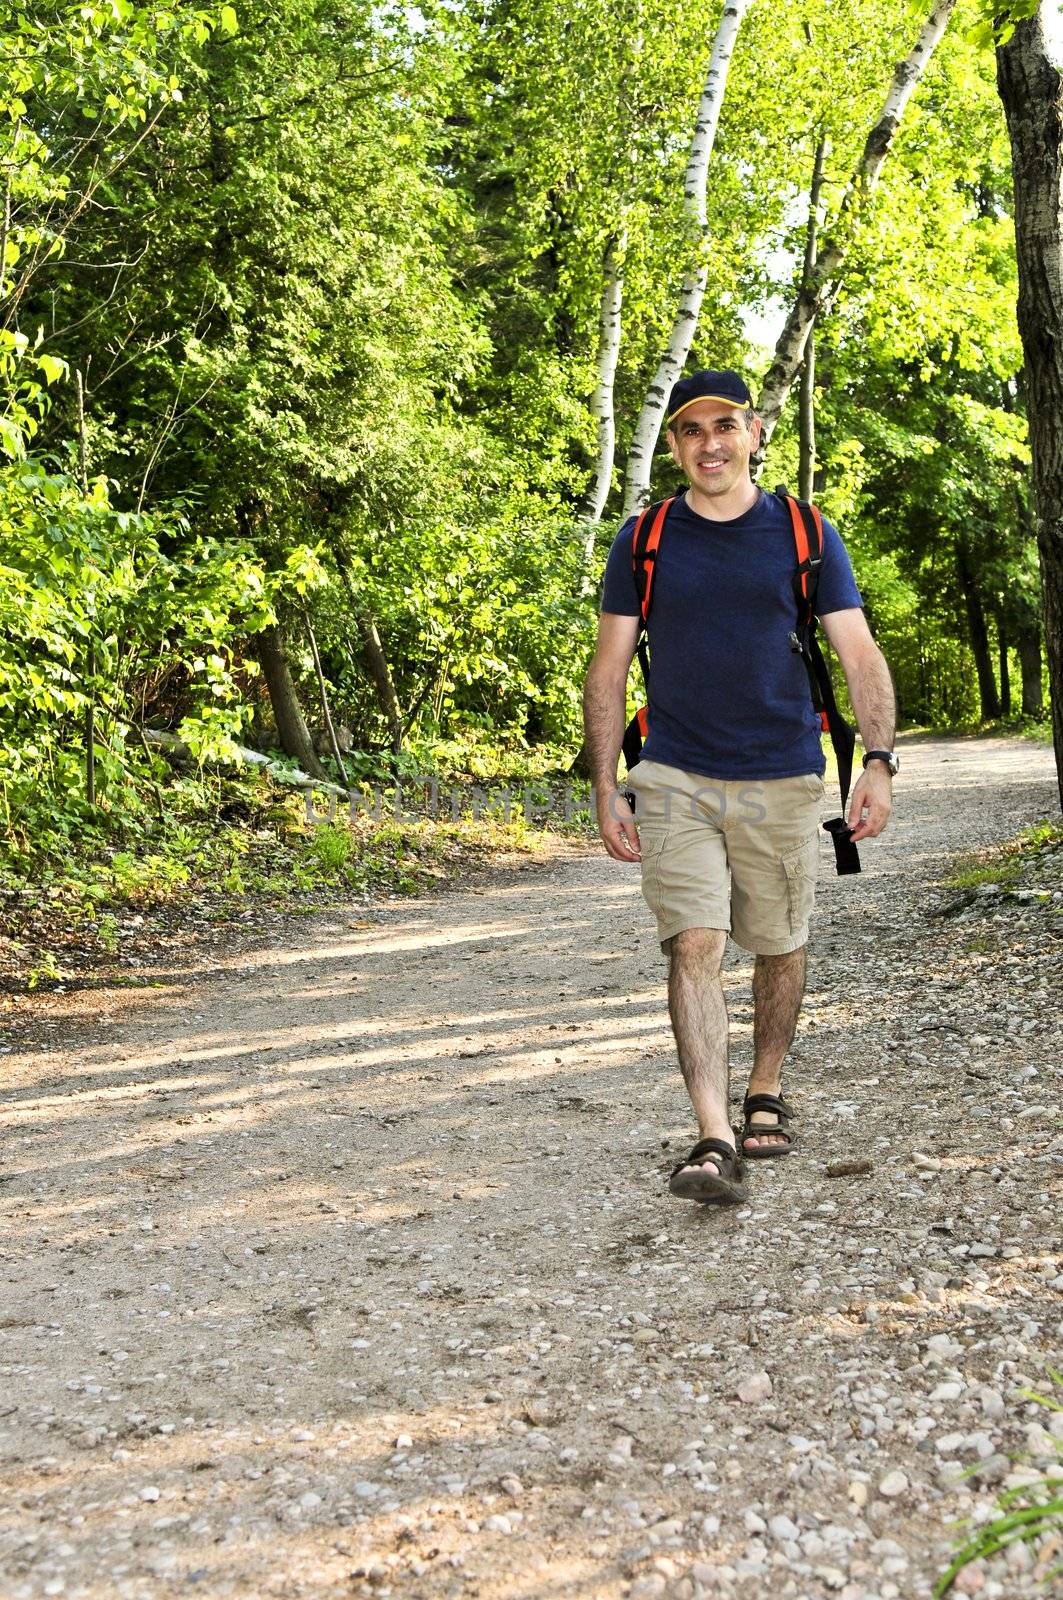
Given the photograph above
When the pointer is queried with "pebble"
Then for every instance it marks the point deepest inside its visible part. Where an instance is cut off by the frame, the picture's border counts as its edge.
(756, 1387)
(403, 1442)
(781, 1527)
(150, 1493)
(893, 1484)
(858, 1494)
(651, 1583)
(498, 1524)
(969, 1580)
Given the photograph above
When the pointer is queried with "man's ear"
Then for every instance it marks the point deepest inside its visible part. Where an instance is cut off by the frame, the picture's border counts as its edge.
(673, 447)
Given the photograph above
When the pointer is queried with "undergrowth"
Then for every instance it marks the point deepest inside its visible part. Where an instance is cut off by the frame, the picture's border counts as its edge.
(223, 847)
(1007, 864)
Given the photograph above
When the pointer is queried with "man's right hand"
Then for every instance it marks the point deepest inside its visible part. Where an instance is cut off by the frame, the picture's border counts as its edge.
(616, 824)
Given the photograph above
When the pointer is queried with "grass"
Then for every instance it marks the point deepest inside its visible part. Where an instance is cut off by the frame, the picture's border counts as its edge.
(1028, 1512)
(1006, 864)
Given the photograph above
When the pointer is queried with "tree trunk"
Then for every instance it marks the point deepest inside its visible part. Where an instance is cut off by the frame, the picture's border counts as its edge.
(323, 694)
(640, 456)
(609, 325)
(816, 296)
(1028, 642)
(806, 414)
(979, 634)
(374, 659)
(287, 713)
(1031, 89)
(1005, 671)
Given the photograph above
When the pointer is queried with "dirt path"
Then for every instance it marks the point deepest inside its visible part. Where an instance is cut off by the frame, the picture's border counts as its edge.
(347, 1267)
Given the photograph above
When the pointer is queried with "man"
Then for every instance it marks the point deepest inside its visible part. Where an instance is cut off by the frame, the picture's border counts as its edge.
(728, 788)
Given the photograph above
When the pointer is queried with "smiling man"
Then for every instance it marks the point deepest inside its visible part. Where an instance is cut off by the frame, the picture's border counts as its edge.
(728, 788)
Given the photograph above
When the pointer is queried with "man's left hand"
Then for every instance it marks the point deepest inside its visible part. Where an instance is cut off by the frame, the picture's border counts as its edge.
(871, 802)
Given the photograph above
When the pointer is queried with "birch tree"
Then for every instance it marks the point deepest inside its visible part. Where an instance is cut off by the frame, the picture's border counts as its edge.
(818, 291)
(1030, 83)
(640, 455)
(609, 329)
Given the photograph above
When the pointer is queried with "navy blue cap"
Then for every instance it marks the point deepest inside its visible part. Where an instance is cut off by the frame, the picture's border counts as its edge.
(708, 384)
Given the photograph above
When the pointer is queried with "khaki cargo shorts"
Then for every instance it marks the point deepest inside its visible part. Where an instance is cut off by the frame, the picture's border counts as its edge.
(741, 856)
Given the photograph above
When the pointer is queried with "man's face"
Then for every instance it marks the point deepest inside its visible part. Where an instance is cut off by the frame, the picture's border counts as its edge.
(712, 444)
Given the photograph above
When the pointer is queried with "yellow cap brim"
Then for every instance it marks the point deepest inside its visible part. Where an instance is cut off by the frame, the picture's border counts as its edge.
(723, 399)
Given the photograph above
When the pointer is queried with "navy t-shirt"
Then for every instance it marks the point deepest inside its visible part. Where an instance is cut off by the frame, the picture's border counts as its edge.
(729, 698)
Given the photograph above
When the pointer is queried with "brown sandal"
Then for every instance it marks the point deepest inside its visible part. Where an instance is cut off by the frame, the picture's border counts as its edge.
(750, 1130)
(711, 1188)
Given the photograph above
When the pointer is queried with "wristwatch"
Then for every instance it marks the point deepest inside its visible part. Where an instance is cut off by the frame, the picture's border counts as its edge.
(890, 757)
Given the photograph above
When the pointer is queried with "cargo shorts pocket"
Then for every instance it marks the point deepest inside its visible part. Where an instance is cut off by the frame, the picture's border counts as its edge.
(652, 843)
(801, 867)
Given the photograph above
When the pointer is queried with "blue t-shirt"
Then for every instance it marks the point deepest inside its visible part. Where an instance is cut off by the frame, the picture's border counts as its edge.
(729, 698)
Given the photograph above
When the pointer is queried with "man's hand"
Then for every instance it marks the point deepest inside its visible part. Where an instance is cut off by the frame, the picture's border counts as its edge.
(871, 802)
(616, 824)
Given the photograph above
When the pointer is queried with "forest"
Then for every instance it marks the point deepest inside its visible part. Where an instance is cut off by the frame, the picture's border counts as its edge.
(334, 344)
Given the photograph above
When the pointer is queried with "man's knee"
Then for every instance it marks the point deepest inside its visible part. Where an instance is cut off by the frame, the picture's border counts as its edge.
(791, 958)
(697, 947)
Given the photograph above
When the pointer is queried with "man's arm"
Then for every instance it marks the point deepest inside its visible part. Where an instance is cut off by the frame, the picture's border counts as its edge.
(875, 705)
(604, 702)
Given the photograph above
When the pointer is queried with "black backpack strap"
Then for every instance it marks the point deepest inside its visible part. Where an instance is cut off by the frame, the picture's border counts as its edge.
(808, 541)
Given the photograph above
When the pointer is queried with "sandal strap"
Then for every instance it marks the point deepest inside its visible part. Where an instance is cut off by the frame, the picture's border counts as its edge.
(714, 1148)
(767, 1102)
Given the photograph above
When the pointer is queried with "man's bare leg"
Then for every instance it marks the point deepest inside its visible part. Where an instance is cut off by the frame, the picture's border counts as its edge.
(699, 1021)
(778, 989)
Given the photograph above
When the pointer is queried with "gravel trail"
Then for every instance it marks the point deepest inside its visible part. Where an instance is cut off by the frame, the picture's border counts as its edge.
(346, 1266)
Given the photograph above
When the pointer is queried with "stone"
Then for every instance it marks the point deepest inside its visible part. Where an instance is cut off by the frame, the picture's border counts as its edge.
(756, 1387)
(858, 1494)
(781, 1527)
(969, 1580)
(895, 1483)
(498, 1524)
(993, 1469)
(150, 1493)
(651, 1583)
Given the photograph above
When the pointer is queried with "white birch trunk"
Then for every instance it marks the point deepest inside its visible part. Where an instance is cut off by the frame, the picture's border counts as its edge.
(609, 325)
(640, 456)
(818, 292)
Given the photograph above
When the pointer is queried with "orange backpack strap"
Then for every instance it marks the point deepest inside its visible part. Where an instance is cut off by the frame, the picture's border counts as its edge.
(808, 541)
(645, 538)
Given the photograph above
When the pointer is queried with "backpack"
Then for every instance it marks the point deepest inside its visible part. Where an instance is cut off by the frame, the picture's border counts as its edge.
(808, 543)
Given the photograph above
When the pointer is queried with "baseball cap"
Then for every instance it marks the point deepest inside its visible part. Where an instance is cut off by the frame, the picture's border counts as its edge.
(708, 384)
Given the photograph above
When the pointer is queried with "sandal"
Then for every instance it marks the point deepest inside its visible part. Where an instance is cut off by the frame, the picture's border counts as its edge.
(711, 1188)
(751, 1130)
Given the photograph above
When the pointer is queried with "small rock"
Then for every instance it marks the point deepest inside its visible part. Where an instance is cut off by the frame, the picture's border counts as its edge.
(646, 1336)
(150, 1493)
(993, 1469)
(511, 1486)
(498, 1524)
(893, 1484)
(754, 1523)
(858, 1494)
(781, 1527)
(756, 1387)
(309, 1500)
(403, 1442)
(969, 1580)
(651, 1583)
